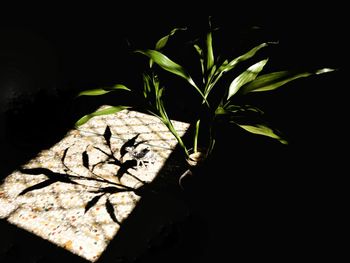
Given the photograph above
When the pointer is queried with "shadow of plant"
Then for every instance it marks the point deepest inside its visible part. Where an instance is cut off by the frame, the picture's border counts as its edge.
(136, 158)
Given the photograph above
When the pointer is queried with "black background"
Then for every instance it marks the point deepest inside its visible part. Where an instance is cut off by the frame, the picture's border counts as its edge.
(291, 195)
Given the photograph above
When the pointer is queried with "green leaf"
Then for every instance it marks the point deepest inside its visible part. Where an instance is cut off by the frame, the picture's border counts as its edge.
(275, 80)
(199, 50)
(249, 118)
(146, 85)
(271, 81)
(201, 59)
(163, 41)
(262, 129)
(240, 111)
(226, 66)
(106, 111)
(101, 91)
(195, 143)
(210, 53)
(93, 92)
(250, 74)
(167, 64)
(324, 70)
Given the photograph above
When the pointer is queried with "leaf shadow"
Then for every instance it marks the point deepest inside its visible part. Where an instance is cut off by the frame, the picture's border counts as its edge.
(37, 186)
(52, 178)
(129, 143)
(92, 202)
(71, 177)
(124, 167)
(111, 211)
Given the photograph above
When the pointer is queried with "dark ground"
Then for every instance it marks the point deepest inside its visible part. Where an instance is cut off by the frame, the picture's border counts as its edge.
(271, 202)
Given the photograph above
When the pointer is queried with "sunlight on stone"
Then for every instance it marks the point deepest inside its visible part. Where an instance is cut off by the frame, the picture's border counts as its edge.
(77, 193)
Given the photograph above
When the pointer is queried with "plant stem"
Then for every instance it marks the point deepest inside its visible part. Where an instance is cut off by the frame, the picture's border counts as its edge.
(178, 138)
(195, 143)
(167, 122)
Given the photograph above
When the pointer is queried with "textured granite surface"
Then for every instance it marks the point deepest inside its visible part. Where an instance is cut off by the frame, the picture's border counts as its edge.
(77, 193)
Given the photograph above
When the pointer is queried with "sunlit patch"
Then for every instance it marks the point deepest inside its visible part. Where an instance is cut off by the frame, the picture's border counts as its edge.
(79, 192)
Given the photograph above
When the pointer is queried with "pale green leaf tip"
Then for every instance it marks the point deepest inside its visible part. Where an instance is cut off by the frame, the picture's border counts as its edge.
(81, 121)
(121, 86)
(283, 141)
(324, 70)
(139, 51)
(82, 93)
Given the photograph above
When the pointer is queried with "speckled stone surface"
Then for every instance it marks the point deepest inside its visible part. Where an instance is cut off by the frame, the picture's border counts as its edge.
(78, 193)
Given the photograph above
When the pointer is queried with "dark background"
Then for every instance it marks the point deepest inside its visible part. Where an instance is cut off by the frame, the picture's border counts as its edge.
(293, 195)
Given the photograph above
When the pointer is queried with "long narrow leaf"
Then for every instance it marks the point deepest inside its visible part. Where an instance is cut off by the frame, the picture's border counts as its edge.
(239, 110)
(167, 64)
(210, 83)
(102, 91)
(275, 80)
(226, 66)
(210, 53)
(271, 81)
(262, 129)
(249, 118)
(164, 40)
(167, 122)
(250, 74)
(201, 59)
(109, 110)
(146, 85)
(195, 144)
